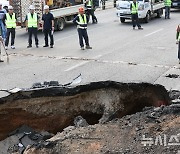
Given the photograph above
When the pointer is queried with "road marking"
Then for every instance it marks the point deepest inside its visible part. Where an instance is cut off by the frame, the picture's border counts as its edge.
(154, 32)
(82, 63)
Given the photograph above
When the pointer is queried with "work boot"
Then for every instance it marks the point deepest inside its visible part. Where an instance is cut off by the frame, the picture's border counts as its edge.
(1, 61)
(6, 47)
(82, 48)
(37, 46)
(88, 47)
(46, 46)
(133, 28)
(51, 46)
(29, 46)
(12, 47)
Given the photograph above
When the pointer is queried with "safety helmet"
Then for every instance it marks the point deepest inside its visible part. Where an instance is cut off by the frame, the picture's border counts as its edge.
(31, 7)
(10, 7)
(46, 7)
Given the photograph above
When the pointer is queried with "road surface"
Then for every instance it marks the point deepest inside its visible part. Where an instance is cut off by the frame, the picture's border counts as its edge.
(119, 53)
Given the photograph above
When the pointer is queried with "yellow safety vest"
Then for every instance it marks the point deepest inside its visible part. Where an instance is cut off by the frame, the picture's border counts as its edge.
(90, 2)
(167, 3)
(82, 22)
(32, 22)
(10, 22)
(134, 9)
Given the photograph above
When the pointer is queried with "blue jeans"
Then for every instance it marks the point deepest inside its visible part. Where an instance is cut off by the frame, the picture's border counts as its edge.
(167, 12)
(3, 29)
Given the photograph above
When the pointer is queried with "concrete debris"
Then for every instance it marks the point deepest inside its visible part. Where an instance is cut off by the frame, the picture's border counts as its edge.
(21, 138)
(79, 121)
(172, 76)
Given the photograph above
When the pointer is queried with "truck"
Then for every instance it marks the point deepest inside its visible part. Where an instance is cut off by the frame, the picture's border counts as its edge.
(175, 4)
(63, 10)
(147, 9)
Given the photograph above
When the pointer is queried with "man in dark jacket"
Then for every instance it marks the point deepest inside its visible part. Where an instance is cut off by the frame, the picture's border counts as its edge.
(48, 26)
(81, 21)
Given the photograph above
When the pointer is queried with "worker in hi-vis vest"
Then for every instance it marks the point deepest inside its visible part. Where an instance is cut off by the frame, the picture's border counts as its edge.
(32, 26)
(81, 21)
(134, 13)
(90, 10)
(167, 4)
(10, 22)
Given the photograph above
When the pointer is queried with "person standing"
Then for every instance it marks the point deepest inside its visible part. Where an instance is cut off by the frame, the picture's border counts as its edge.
(178, 41)
(10, 22)
(81, 21)
(167, 4)
(90, 10)
(2, 25)
(48, 26)
(32, 26)
(134, 13)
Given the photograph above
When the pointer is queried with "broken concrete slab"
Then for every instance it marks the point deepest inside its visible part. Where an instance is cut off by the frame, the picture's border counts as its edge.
(21, 138)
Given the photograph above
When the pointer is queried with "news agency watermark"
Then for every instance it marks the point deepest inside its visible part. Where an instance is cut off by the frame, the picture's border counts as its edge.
(162, 140)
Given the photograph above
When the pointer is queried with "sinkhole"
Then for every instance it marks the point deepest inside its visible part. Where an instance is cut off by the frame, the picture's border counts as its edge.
(53, 109)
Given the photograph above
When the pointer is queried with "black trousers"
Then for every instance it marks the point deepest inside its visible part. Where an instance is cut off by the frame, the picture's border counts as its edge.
(91, 12)
(135, 20)
(10, 31)
(46, 33)
(179, 50)
(83, 34)
(33, 31)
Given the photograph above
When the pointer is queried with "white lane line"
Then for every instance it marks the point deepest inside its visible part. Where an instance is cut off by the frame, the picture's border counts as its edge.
(75, 66)
(154, 32)
(82, 63)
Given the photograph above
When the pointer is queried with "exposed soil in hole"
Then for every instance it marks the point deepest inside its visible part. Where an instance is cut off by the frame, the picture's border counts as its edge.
(53, 109)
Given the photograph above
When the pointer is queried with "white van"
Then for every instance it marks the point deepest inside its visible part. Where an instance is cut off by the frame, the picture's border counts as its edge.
(146, 10)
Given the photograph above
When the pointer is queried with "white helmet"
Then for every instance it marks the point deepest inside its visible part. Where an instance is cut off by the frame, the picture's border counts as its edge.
(10, 7)
(46, 7)
(31, 7)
